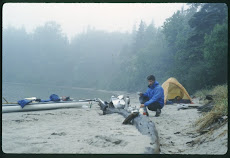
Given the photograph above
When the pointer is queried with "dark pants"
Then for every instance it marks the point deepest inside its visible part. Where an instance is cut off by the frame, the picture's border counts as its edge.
(153, 106)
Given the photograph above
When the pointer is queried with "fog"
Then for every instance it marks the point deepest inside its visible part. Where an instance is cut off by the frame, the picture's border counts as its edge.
(74, 18)
(112, 48)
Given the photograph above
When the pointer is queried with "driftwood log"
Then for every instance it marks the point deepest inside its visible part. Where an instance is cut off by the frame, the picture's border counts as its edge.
(144, 125)
(206, 108)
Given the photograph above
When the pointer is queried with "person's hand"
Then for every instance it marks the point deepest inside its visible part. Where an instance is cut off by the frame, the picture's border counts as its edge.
(140, 94)
(142, 105)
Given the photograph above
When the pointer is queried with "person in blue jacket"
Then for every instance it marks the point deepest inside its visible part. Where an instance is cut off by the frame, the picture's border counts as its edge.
(153, 98)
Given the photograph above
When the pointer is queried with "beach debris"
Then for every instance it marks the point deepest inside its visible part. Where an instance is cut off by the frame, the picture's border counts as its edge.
(195, 141)
(25, 120)
(187, 106)
(218, 123)
(190, 143)
(182, 106)
(206, 108)
(40, 142)
(177, 133)
(130, 118)
(59, 134)
(204, 131)
(49, 114)
(18, 121)
(209, 97)
(173, 143)
(103, 105)
(30, 114)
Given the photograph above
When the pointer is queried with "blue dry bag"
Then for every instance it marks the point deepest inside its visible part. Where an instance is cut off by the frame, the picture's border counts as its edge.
(54, 97)
(24, 102)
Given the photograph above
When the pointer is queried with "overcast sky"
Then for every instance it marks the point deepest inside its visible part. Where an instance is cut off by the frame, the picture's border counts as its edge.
(75, 17)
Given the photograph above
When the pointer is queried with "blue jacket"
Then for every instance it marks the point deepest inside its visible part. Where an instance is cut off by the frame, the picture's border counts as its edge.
(155, 93)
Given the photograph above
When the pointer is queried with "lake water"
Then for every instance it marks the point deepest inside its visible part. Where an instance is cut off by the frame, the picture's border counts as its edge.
(13, 92)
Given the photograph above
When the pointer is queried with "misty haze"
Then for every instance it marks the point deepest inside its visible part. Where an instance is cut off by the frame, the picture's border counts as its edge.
(191, 45)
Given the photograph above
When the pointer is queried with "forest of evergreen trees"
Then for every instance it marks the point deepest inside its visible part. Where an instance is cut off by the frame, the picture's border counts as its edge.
(192, 46)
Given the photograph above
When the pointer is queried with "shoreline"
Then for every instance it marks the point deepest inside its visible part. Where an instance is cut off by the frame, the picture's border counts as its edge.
(71, 87)
(176, 130)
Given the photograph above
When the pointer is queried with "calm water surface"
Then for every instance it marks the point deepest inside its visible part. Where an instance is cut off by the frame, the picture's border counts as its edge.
(13, 92)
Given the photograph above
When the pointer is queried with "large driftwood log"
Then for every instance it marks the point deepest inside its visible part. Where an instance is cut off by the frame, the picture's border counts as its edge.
(144, 125)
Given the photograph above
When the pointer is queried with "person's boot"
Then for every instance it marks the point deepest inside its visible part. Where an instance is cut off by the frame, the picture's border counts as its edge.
(158, 112)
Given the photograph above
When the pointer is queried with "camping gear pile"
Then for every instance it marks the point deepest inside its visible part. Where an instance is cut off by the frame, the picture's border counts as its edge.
(35, 104)
(55, 102)
(122, 102)
(118, 102)
(53, 97)
(121, 105)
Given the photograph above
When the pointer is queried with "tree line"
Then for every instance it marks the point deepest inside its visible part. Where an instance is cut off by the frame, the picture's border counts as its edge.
(190, 46)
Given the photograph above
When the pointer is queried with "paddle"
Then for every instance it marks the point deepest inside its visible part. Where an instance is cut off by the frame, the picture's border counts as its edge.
(5, 100)
(87, 100)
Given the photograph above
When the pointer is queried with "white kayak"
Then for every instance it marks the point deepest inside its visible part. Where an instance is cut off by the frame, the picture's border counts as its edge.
(47, 106)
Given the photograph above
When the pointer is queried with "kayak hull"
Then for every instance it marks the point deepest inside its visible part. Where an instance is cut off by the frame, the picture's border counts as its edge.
(36, 103)
(47, 106)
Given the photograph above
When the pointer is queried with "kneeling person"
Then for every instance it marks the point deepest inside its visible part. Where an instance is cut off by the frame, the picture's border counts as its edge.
(153, 98)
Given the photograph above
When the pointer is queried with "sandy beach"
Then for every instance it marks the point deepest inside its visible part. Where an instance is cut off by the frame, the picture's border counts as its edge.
(177, 131)
(74, 130)
(86, 130)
